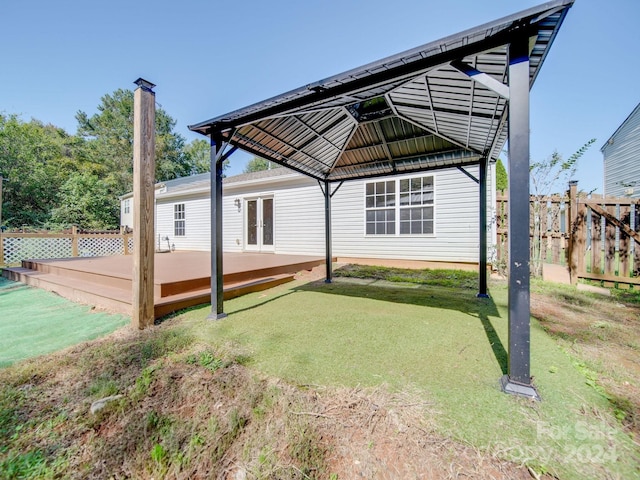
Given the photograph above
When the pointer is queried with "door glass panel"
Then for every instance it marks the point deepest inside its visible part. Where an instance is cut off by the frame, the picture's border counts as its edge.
(252, 222)
(267, 219)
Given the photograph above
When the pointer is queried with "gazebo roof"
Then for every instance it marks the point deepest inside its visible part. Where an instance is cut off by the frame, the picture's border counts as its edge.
(440, 105)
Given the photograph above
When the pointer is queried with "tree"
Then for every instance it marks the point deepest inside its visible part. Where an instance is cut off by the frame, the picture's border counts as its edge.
(257, 164)
(85, 200)
(35, 159)
(547, 177)
(109, 142)
(199, 155)
(502, 181)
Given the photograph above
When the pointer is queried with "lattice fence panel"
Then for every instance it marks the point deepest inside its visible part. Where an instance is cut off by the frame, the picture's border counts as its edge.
(130, 244)
(100, 247)
(17, 249)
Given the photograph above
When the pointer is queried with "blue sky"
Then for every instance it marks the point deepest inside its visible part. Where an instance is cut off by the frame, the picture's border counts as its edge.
(211, 57)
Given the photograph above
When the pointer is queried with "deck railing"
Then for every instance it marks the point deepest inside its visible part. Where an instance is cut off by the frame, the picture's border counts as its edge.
(18, 246)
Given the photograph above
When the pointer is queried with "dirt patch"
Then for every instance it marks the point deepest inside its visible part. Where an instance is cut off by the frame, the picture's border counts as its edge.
(380, 435)
(190, 412)
(603, 336)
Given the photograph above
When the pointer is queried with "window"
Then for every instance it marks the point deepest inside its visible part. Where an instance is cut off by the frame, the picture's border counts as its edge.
(405, 207)
(127, 205)
(416, 206)
(179, 220)
(380, 201)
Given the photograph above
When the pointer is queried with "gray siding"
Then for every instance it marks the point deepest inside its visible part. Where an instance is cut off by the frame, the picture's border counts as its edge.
(456, 237)
(299, 219)
(299, 212)
(622, 159)
(197, 232)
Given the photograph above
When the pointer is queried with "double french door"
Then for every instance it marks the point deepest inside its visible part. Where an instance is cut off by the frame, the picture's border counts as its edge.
(259, 224)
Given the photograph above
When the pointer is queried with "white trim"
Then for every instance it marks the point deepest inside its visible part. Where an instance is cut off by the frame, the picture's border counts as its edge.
(260, 246)
(397, 207)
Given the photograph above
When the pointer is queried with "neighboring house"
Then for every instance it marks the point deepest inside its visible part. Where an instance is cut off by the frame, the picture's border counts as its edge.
(622, 159)
(427, 216)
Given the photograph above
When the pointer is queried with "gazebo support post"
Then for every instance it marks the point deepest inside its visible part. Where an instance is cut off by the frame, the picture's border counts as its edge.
(217, 301)
(518, 378)
(327, 231)
(328, 194)
(482, 270)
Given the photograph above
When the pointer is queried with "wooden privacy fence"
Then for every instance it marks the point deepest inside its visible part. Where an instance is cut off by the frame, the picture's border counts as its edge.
(595, 237)
(18, 246)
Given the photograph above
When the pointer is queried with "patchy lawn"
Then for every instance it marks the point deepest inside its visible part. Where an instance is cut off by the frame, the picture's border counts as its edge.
(602, 336)
(360, 378)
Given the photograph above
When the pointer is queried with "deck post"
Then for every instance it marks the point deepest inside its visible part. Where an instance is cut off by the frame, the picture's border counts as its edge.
(217, 292)
(144, 140)
(327, 230)
(482, 269)
(518, 378)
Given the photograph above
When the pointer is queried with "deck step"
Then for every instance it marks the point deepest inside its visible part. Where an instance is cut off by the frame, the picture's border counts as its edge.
(109, 298)
(119, 300)
(173, 303)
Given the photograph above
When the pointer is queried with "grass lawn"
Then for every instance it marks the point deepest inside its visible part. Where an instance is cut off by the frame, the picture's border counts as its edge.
(34, 322)
(364, 377)
(443, 342)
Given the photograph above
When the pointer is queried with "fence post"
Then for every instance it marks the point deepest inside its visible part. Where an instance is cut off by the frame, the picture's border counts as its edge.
(1, 249)
(74, 241)
(574, 231)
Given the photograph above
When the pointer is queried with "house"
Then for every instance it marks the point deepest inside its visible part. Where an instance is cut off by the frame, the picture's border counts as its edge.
(429, 216)
(622, 159)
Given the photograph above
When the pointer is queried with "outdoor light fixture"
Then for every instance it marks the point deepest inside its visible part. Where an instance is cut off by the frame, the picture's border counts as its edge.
(237, 203)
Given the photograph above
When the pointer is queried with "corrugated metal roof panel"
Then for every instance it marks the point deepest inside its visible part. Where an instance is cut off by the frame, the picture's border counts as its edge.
(319, 129)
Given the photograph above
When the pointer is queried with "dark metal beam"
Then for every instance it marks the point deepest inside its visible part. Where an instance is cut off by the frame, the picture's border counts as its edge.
(326, 191)
(277, 158)
(518, 378)
(217, 158)
(482, 269)
(468, 174)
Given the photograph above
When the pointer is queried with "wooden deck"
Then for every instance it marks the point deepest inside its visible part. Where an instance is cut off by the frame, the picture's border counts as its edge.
(182, 279)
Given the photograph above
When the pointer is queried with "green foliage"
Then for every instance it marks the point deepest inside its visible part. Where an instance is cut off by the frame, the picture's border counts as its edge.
(103, 386)
(109, 142)
(257, 164)
(502, 181)
(199, 154)
(158, 453)
(207, 360)
(144, 381)
(31, 464)
(55, 179)
(34, 160)
(86, 200)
